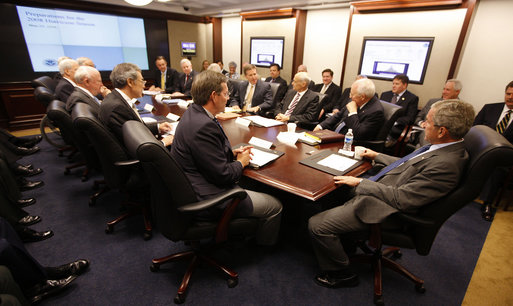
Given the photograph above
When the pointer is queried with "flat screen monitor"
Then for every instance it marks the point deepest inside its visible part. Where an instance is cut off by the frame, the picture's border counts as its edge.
(385, 57)
(188, 48)
(107, 39)
(266, 50)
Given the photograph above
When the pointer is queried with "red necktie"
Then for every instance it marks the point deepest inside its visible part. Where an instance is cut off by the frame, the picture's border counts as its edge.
(186, 79)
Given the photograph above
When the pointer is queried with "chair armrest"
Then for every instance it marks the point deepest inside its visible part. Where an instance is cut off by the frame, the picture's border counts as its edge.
(416, 220)
(126, 163)
(236, 192)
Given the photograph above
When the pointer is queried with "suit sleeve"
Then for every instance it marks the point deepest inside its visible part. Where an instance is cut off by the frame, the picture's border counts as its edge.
(280, 93)
(366, 129)
(171, 84)
(311, 112)
(411, 111)
(268, 97)
(235, 100)
(480, 118)
(331, 122)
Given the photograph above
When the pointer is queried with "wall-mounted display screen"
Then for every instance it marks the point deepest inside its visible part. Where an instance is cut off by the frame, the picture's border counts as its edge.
(266, 50)
(188, 48)
(108, 40)
(385, 57)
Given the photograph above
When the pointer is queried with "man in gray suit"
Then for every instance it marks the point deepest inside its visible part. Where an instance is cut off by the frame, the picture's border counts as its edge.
(253, 95)
(401, 187)
(89, 85)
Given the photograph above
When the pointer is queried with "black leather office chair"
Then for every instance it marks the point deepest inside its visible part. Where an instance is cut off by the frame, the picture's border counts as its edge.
(45, 81)
(274, 89)
(45, 95)
(487, 150)
(391, 113)
(174, 204)
(119, 170)
(311, 125)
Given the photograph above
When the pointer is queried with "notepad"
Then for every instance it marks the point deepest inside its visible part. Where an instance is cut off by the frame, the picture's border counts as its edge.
(263, 122)
(331, 162)
(261, 156)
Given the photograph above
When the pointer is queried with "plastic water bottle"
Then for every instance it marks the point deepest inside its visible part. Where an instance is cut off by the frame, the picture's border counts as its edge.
(348, 141)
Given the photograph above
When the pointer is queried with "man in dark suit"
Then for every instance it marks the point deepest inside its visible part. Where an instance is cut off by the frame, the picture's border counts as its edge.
(300, 103)
(89, 84)
(165, 77)
(364, 114)
(252, 95)
(119, 106)
(401, 96)
(203, 151)
(274, 71)
(184, 82)
(498, 117)
(405, 186)
(66, 85)
(330, 89)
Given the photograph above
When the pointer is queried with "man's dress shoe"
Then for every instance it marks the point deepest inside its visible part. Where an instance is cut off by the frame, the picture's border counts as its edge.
(26, 170)
(48, 288)
(26, 151)
(332, 280)
(30, 235)
(26, 202)
(73, 268)
(487, 212)
(25, 184)
(29, 142)
(29, 220)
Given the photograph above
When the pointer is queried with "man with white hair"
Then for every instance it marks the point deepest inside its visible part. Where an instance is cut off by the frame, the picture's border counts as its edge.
(66, 85)
(184, 83)
(89, 85)
(300, 103)
(364, 114)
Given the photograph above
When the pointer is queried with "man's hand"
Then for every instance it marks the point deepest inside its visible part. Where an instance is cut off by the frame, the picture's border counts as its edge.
(352, 107)
(369, 154)
(253, 109)
(335, 110)
(104, 91)
(165, 127)
(244, 157)
(317, 128)
(168, 140)
(347, 180)
(282, 117)
(236, 107)
(241, 149)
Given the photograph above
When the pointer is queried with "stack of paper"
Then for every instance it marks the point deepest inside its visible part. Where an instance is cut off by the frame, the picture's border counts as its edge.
(264, 122)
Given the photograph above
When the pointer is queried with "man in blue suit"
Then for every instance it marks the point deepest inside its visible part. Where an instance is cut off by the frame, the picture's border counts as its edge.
(203, 151)
(253, 95)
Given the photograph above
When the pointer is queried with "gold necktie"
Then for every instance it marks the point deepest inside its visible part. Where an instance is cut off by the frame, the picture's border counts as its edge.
(163, 81)
(249, 98)
(501, 127)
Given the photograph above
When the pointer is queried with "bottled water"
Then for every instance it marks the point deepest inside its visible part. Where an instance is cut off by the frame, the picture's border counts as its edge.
(348, 140)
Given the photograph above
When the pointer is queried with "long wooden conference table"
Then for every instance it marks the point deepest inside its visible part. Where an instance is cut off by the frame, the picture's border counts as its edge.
(285, 173)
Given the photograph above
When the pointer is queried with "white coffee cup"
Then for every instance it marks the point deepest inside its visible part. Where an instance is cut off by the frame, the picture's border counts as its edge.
(291, 127)
(358, 151)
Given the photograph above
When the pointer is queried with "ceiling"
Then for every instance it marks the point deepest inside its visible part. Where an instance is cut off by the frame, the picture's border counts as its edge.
(218, 8)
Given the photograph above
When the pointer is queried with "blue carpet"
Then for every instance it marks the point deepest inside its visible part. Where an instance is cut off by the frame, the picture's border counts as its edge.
(120, 274)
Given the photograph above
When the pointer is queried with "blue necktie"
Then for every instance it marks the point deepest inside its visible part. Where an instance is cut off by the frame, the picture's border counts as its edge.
(398, 162)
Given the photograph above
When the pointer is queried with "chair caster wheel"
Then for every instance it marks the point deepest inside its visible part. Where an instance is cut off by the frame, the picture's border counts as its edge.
(109, 229)
(154, 267)
(232, 282)
(397, 254)
(420, 288)
(378, 300)
(147, 235)
(179, 299)
(66, 172)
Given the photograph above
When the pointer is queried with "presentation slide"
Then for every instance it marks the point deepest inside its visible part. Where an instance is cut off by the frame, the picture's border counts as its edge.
(265, 51)
(385, 58)
(108, 40)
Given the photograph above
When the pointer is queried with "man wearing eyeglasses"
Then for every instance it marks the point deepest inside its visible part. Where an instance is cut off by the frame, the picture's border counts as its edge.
(203, 151)
(119, 106)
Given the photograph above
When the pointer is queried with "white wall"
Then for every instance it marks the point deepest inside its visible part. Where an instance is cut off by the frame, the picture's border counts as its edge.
(231, 40)
(325, 40)
(487, 62)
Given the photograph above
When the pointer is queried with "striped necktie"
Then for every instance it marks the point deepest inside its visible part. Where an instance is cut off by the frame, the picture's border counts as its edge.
(292, 105)
(501, 127)
(398, 162)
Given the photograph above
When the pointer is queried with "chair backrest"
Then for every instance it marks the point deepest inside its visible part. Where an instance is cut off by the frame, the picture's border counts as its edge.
(391, 113)
(487, 150)
(44, 95)
(274, 89)
(44, 81)
(56, 112)
(107, 147)
(170, 188)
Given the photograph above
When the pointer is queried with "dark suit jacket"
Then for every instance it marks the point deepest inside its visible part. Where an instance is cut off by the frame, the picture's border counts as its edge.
(171, 79)
(332, 96)
(282, 89)
(413, 184)
(181, 86)
(365, 124)
(408, 101)
(421, 116)
(489, 116)
(204, 153)
(115, 111)
(63, 90)
(262, 95)
(306, 110)
(80, 96)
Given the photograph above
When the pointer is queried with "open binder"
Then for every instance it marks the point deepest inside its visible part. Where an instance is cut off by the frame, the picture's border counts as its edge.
(331, 162)
(261, 156)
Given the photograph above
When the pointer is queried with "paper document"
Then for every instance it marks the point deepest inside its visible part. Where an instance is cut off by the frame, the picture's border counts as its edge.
(172, 101)
(337, 162)
(260, 158)
(151, 93)
(265, 122)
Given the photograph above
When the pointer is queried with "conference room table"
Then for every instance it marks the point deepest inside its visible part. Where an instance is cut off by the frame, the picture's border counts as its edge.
(285, 173)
